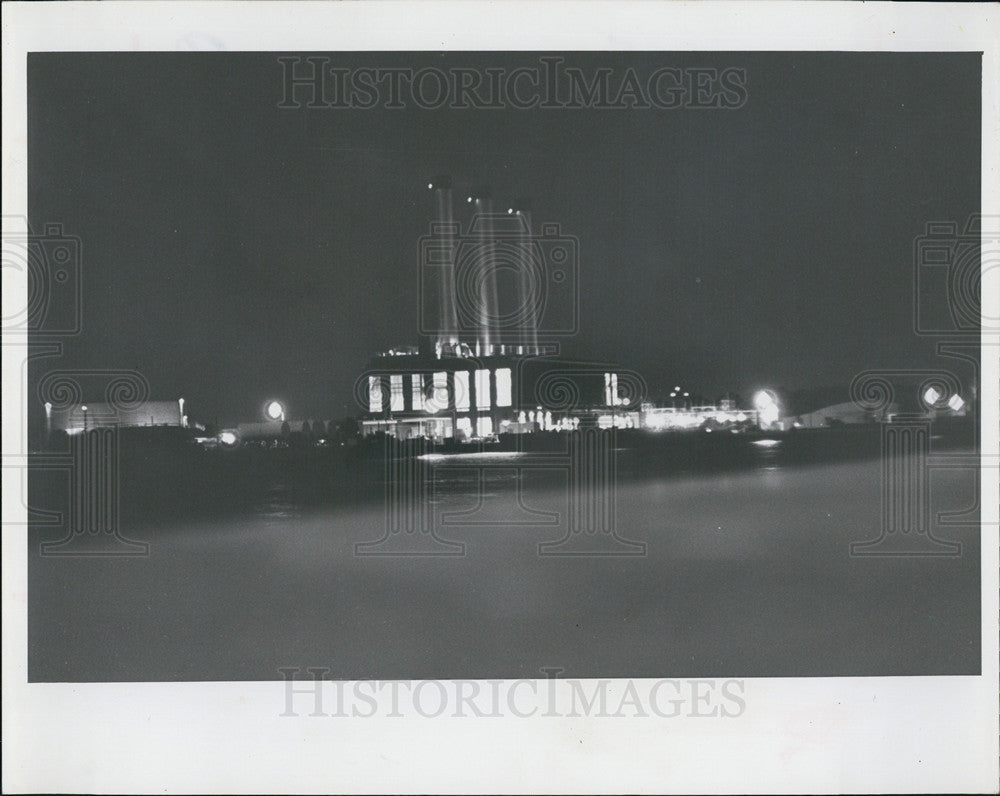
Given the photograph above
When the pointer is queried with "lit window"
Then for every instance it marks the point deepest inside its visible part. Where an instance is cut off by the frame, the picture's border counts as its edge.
(374, 394)
(462, 390)
(395, 393)
(464, 426)
(417, 391)
(439, 393)
(482, 389)
(503, 387)
(485, 426)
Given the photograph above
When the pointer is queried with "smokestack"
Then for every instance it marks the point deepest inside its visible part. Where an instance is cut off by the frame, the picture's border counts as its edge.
(486, 277)
(527, 283)
(448, 315)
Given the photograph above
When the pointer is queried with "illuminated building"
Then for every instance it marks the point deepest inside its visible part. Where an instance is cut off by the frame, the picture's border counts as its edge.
(84, 417)
(482, 370)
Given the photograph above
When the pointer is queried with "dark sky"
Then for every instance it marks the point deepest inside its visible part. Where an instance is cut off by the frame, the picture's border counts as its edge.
(234, 250)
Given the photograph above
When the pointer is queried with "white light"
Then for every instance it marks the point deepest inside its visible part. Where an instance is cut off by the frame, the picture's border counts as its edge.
(956, 402)
(430, 185)
(766, 443)
(83, 408)
(687, 395)
(275, 411)
(227, 438)
(767, 408)
(931, 396)
(510, 211)
(469, 199)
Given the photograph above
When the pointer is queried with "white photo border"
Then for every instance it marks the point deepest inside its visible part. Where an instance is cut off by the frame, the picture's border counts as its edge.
(907, 734)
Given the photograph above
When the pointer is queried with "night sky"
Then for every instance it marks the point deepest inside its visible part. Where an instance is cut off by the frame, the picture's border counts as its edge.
(234, 250)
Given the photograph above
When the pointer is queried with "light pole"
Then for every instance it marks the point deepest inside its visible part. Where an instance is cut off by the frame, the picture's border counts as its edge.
(84, 410)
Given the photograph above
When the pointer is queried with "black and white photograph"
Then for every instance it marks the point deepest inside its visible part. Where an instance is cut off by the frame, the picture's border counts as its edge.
(592, 387)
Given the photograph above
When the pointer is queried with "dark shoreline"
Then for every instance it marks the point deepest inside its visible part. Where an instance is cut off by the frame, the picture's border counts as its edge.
(163, 472)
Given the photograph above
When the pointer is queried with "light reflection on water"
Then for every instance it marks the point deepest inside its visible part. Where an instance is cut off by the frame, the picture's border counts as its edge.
(455, 479)
(746, 573)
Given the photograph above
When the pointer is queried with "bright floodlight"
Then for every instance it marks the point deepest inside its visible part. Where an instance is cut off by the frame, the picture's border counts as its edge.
(931, 396)
(767, 408)
(227, 438)
(956, 402)
(275, 411)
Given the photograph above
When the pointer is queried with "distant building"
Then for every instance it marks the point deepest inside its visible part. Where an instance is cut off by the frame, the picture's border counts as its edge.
(275, 429)
(469, 397)
(848, 413)
(483, 370)
(80, 418)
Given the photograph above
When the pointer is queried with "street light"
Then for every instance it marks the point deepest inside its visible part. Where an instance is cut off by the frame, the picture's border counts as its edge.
(274, 411)
(767, 408)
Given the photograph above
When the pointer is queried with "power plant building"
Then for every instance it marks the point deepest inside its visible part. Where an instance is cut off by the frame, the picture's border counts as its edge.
(482, 370)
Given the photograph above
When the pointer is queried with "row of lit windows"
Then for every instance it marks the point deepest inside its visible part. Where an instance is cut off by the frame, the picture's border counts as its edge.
(436, 399)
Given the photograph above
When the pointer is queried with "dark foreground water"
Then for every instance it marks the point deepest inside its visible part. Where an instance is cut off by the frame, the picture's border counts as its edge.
(746, 572)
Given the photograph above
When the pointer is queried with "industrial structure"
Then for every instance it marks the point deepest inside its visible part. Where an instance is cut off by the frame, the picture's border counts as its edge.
(488, 363)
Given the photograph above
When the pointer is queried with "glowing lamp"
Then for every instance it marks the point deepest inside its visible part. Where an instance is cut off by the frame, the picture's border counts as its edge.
(767, 407)
(956, 403)
(931, 396)
(275, 411)
(227, 438)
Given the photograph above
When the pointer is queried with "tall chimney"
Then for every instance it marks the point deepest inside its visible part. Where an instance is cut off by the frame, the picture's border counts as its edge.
(444, 217)
(486, 277)
(528, 286)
